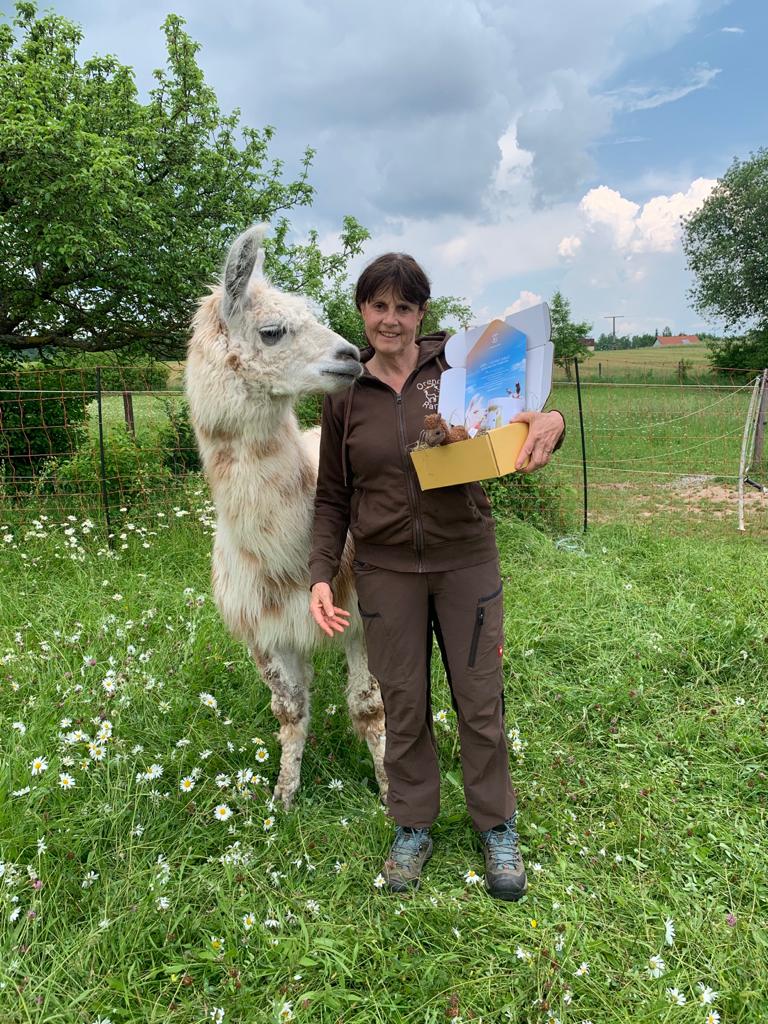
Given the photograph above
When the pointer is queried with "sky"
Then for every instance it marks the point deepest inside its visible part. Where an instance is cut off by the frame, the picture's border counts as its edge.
(514, 147)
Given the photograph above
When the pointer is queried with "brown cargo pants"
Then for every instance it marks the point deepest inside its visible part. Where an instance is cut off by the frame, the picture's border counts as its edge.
(464, 609)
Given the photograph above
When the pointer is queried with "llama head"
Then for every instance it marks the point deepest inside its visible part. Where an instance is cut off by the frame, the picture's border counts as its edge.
(276, 342)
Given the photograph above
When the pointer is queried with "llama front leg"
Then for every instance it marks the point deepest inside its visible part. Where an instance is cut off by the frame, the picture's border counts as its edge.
(366, 709)
(288, 676)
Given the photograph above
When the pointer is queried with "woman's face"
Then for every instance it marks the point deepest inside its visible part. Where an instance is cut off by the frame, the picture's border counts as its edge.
(391, 323)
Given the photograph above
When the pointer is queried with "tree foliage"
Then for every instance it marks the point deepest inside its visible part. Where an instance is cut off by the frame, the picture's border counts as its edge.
(115, 213)
(567, 335)
(607, 342)
(726, 243)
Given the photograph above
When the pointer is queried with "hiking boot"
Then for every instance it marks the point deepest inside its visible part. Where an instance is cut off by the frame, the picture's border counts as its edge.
(410, 851)
(504, 869)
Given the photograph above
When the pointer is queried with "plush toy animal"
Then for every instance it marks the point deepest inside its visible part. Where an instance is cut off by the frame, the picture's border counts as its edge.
(437, 431)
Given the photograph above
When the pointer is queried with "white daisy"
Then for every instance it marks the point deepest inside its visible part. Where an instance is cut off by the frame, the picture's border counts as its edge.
(676, 997)
(669, 931)
(379, 881)
(38, 765)
(66, 781)
(656, 966)
(249, 920)
(707, 995)
(222, 812)
(187, 784)
(471, 877)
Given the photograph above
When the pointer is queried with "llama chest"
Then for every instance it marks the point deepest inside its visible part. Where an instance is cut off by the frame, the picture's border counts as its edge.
(264, 501)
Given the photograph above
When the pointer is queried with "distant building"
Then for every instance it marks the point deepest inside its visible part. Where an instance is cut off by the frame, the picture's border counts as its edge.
(676, 339)
(588, 343)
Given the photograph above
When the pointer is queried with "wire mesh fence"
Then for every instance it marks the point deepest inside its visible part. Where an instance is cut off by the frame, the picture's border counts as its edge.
(108, 443)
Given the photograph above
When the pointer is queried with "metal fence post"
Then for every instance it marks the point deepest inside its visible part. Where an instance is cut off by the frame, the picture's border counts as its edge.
(583, 444)
(102, 461)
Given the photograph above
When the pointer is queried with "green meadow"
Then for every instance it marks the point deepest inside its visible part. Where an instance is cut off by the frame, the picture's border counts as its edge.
(635, 667)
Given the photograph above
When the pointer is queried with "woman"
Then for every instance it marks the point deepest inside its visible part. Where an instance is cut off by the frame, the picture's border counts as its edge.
(426, 561)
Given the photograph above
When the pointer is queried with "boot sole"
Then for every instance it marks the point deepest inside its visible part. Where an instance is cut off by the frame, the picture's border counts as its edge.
(511, 896)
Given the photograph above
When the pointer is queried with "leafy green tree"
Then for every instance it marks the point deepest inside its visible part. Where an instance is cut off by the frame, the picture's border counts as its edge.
(726, 243)
(115, 214)
(567, 335)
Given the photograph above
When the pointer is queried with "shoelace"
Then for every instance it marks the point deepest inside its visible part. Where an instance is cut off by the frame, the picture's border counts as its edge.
(504, 846)
(408, 843)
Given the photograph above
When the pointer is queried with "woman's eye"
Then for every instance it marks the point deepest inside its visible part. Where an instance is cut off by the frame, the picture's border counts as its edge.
(271, 335)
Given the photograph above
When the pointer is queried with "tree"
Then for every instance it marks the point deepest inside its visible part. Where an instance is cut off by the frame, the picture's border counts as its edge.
(115, 214)
(726, 243)
(667, 332)
(566, 335)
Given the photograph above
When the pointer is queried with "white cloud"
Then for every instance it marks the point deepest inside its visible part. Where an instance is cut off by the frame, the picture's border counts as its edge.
(569, 246)
(524, 301)
(605, 207)
(646, 97)
(732, 28)
(652, 227)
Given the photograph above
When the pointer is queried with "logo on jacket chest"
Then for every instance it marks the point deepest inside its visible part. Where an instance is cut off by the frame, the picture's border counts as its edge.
(429, 391)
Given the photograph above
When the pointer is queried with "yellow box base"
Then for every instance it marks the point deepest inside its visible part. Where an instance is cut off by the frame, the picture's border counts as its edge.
(479, 458)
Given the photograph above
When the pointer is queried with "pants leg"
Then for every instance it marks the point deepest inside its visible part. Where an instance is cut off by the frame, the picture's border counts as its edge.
(469, 608)
(394, 607)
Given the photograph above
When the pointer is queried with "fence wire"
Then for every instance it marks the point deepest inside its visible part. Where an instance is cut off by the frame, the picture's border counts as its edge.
(663, 453)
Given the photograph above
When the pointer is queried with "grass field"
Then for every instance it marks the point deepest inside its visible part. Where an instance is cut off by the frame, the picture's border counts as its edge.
(649, 365)
(635, 669)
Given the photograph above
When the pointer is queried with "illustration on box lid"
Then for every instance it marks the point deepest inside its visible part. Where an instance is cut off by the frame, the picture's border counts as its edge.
(497, 370)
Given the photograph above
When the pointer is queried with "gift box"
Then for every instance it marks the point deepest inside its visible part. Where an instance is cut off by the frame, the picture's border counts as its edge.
(496, 371)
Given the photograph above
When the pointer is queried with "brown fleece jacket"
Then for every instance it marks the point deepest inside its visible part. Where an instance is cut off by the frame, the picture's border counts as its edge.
(367, 483)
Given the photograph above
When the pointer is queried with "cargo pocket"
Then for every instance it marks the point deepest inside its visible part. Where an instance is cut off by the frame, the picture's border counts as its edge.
(489, 618)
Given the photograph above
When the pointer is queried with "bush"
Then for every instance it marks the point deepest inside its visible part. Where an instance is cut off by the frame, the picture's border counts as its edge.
(43, 415)
(532, 498)
(739, 357)
(176, 440)
(132, 472)
(309, 411)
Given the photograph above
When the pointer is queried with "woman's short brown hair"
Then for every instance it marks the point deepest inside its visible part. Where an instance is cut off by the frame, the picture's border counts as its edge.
(395, 271)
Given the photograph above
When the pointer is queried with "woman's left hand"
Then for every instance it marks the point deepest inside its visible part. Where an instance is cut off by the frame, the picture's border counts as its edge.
(544, 430)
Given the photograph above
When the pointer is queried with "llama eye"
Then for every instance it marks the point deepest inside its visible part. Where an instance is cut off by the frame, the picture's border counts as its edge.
(271, 335)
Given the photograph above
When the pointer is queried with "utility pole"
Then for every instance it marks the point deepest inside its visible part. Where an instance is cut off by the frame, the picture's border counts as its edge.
(614, 317)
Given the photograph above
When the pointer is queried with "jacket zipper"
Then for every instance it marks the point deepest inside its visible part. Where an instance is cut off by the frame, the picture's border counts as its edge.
(479, 620)
(413, 499)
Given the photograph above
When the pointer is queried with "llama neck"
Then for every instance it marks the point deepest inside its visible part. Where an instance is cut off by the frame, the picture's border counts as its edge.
(263, 480)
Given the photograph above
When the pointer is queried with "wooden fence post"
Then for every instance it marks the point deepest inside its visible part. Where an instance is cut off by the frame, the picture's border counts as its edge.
(128, 412)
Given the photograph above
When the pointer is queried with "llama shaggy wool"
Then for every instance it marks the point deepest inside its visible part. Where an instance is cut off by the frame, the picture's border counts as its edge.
(254, 350)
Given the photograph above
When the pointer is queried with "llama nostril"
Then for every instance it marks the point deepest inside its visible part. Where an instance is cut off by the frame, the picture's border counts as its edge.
(348, 352)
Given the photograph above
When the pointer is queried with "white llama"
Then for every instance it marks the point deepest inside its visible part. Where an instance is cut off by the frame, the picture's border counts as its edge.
(253, 352)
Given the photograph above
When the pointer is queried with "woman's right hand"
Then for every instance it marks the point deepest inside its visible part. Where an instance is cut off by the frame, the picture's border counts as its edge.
(325, 613)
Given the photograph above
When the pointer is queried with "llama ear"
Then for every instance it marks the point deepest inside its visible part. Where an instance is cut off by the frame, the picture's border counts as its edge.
(238, 268)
